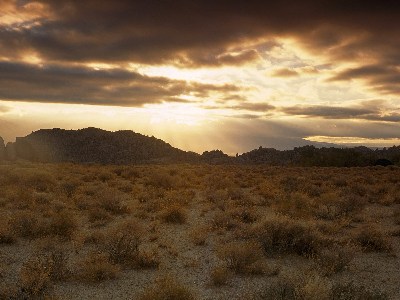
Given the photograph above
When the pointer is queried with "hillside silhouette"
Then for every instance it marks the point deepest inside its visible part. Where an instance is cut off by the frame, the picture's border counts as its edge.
(92, 145)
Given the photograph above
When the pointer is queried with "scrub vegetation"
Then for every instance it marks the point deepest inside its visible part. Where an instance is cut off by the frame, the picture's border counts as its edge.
(198, 232)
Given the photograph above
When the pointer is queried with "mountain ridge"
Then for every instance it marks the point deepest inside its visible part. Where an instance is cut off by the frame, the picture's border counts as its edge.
(93, 145)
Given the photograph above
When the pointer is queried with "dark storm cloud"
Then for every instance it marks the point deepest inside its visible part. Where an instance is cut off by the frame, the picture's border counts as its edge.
(62, 84)
(201, 32)
(190, 34)
(385, 79)
(367, 112)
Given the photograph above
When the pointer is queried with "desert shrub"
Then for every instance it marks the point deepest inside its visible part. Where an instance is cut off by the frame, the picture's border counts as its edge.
(113, 202)
(7, 236)
(291, 184)
(299, 287)
(372, 239)
(35, 277)
(198, 235)
(161, 180)
(147, 259)
(242, 257)
(99, 216)
(334, 260)
(26, 224)
(244, 215)
(167, 288)
(174, 214)
(396, 216)
(220, 275)
(217, 196)
(41, 181)
(69, 187)
(63, 224)
(105, 176)
(222, 220)
(283, 235)
(96, 267)
(122, 243)
(351, 291)
(295, 204)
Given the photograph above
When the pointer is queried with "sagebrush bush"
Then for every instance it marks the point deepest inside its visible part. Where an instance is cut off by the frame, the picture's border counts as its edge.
(35, 277)
(220, 275)
(113, 202)
(283, 235)
(63, 224)
(334, 260)
(26, 224)
(350, 291)
(373, 239)
(242, 257)
(167, 288)
(299, 286)
(174, 214)
(122, 243)
(96, 266)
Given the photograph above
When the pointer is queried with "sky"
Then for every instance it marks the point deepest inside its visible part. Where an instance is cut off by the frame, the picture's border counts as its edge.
(202, 75)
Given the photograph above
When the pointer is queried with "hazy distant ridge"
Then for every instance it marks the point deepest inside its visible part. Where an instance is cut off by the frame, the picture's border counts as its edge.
(92, 145)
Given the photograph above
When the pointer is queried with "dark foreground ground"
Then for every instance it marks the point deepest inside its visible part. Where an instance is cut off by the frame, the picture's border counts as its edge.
(198, 232)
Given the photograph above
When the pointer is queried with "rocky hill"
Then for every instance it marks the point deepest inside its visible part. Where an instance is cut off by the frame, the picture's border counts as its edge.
(92, 145)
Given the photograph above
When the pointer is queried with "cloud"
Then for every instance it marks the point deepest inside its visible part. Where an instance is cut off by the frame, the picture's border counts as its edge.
(202, 32)
(285, 72)
(327, 111)
(367, 111)
(67, 84)
(385, 79)
(4, 109)
(254, 107)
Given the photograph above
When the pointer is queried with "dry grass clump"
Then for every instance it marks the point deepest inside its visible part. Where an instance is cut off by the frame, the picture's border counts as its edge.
(174, 214)
(113, 202)
(244, 214)
(99, 216)
(96, 266)
(280, 234)
(7, 236)
(297, 286)
(161, 179)
(27, 224)
(352, 291)
(199, 235)
(167, 288)
(222, 220)
(242, 257)
(69, 187)
(122, 246)
(122, 243)
(220, 275)
(334, 260)
(63, 224)
(39, 272)
(372, 239)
